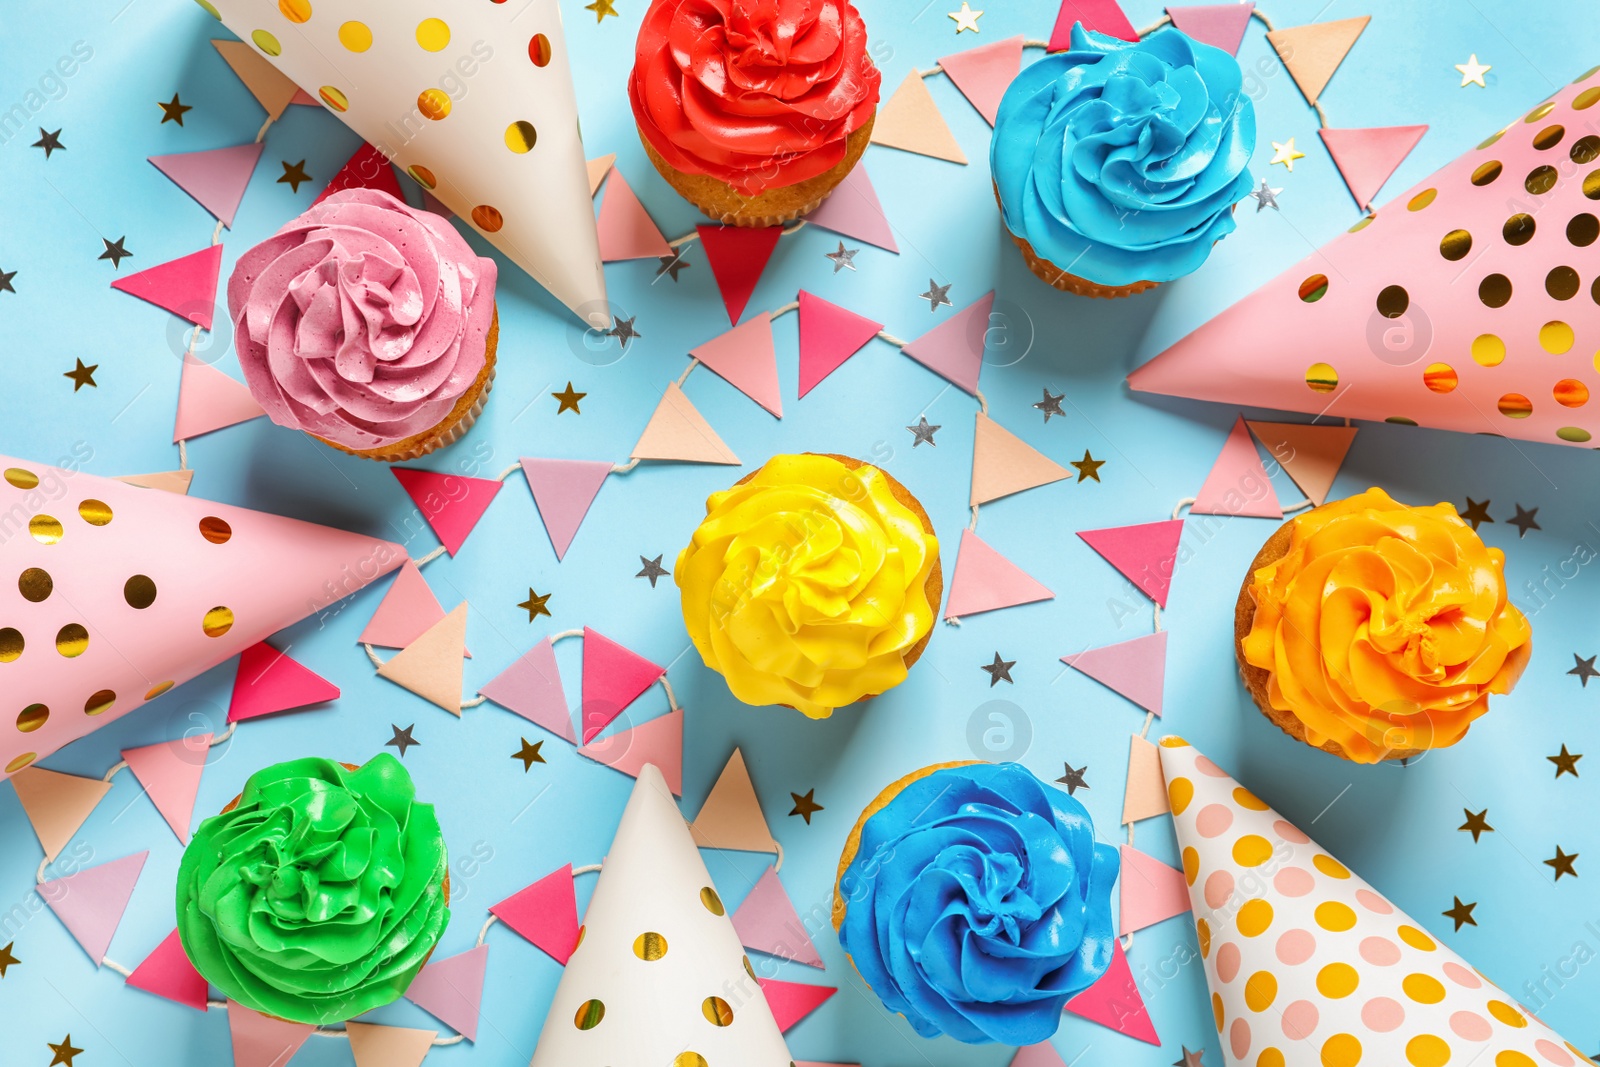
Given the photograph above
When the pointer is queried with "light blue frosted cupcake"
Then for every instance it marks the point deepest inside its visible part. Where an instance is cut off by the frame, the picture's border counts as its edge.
(1117, 164)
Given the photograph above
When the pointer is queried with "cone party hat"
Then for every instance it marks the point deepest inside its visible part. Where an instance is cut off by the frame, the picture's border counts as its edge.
(1309, 966)
(1470, 302)
(114, 593)
(475, 101)
(658, 976)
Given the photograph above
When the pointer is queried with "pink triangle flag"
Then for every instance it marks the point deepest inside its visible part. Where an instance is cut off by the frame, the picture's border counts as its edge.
(1145, 554)
(1219, 25)
(368, 168)
(829, 335)
(985, 580)
(626, 229)
(269, 681)
(90, 903)
(1114, 1001)
(766, 922)
(388, 1046)
(209, 400)
(1102, 16)
(261, 1040)
(745, 357)
(546, 913)
(167, 972)
(170, 773)
(56, 804)
(451, 990)
(563, 489)
(1043, 1054)
(791, 1001)
(853, 210)
(658, 742)
(452, 503)
(954, 348)
(531, 687)
(613, 678)
(738, 255)
(982, 73)
(1137, 669)
(1366, 157)
(408, 610)
(215, 178)
(1151, 891)
(1238, 483)
(186, 286)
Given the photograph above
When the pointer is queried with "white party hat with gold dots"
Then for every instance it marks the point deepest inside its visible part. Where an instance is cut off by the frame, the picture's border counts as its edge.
(473, 100)
(659, 976)
(1309, 966)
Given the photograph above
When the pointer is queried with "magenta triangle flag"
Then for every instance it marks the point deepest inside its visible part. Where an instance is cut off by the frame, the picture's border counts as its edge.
(1114, 1001)
(262, 1040)
(1219, 25)
(1151, 891)
(829, 335)
(531, 687)
(170, 773)
(406, 612)
(209, 400)
(1366, 157)
(1145, 554)
(367, 169)
(186, 286)
(1238, 483)
(1137, 669)
(658, 742)
(1102, 16)
(546, 913)
(767, 922)
(215, 178)
(613, 678)
(738, 255)
(954, 348)
(626, 230)
(563, 489)
(985, 580)
(90, 903)
(853, 210)
(792, 1001)
(451, 990)
(745, 357)
(982, 73)
(167, 972)
(269, 681)
(452, 503)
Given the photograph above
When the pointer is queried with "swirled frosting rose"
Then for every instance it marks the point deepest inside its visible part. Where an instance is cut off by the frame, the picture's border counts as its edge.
(754, 93)
(363, 321)
(1385, 627)
(807, 584)
(978, 903)
(319, 896)
(1121, 162)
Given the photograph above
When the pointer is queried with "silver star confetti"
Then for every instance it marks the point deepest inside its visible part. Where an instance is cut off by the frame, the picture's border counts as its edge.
(936, 295)
(652, 570)
(923, 431)
(672, 264)
(623, 330)
(1051, 405)
(1265, 196)
(402, 739)
(845, 257)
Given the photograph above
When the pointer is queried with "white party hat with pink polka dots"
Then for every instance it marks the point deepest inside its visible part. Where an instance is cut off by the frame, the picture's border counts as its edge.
(1309, 966)
(473, 100)
(659, 976)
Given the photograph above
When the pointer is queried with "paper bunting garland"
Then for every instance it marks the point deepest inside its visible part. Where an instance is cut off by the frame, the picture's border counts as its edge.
(1146, 795)
(269, 681)
(677, 431)
(954, 348)
(1146, 554)
(829, 335)
(598, 169)
(1151, 891)
(658, 743)
(792, 1001)
(1366, 157)
(982, 73)
(1137, 669)
(90, 903)
(1043, 1054)
(56, 804)
(209, 400)
(1219, 25)
(1311, 53)
(266, 83)
(732, 817)
(451, 990)
(405, 613)
(216, 178)
(186, 286)
(262, 1040)
(1003, 463)
(626, 229)
(167, 972)
(690, 1000)
(745, 358)
(431, 666)
(170, 773)
(1114, 1001)
(910, 121)
(531, 687)
(1310, 455)
(766, 922)
(166, 481)
(545, 913)
(368, 168)
(563, 489)
(1102, 16)
(452, 503)
(388, 1046)
(853, 210)
(613, 678)
(984, 580)
(738, 255)
(1237, 484)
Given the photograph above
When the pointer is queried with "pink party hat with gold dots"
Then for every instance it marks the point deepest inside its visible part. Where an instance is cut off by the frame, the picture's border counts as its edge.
(1309, 966)
(112, 594)
(1470, 302)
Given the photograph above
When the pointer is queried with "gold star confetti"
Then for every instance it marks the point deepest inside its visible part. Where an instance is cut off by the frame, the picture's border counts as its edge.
(569, 400)
(294, 174)
(1563, 863)
(528, 754)
(1472, 72)
(1088, 466)
(1461, 914)
(1476, 512)
(63, 1052)
(82, 376)
(601, 9)
(805, 806)
(1477, 823)
(534, 605)
(7, 959)
(173, 112)
(1566, 763)
(1286, 154)
(966, 18)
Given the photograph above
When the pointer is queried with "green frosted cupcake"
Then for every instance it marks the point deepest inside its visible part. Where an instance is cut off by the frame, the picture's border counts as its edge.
(318, 893)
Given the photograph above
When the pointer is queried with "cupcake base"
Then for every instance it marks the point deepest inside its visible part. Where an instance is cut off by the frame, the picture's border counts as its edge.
(720, 202)
(1057, 278)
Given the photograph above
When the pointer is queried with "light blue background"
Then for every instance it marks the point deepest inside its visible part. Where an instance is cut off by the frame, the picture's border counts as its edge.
(1395, 826)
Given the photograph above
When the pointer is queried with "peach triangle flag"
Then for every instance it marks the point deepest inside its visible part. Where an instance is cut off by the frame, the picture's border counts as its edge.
(1137, 669)
(388, 1046)
(598, 169)
(451, 990)
(626, 229)
(1366, 157)
(1114, 1001)
(170, 773)
(56, 804)
(167, 972)
(910, 121)
(732, 817)
(1151, 891)
(982, 73)
(261, 1040)
(985, 580)
(744, 356)
(676, 431)
(90, 903)
(431, 666)
(1219, 25)
(658, 742)
(1311, 455)
(209, 400)
(1312, 52)
(1003, 463)
(186, 286)
(272, 89)
(1237, 484)
(167, 481)
(1146, 795)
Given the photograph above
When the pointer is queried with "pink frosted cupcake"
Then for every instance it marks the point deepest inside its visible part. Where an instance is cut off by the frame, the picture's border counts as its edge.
(369, 325)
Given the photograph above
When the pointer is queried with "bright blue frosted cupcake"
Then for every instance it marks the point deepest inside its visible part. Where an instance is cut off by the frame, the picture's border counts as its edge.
(1117, 164)
(975, 901)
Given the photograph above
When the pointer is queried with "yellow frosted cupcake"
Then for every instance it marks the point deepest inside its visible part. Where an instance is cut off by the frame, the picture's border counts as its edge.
(811, 583)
